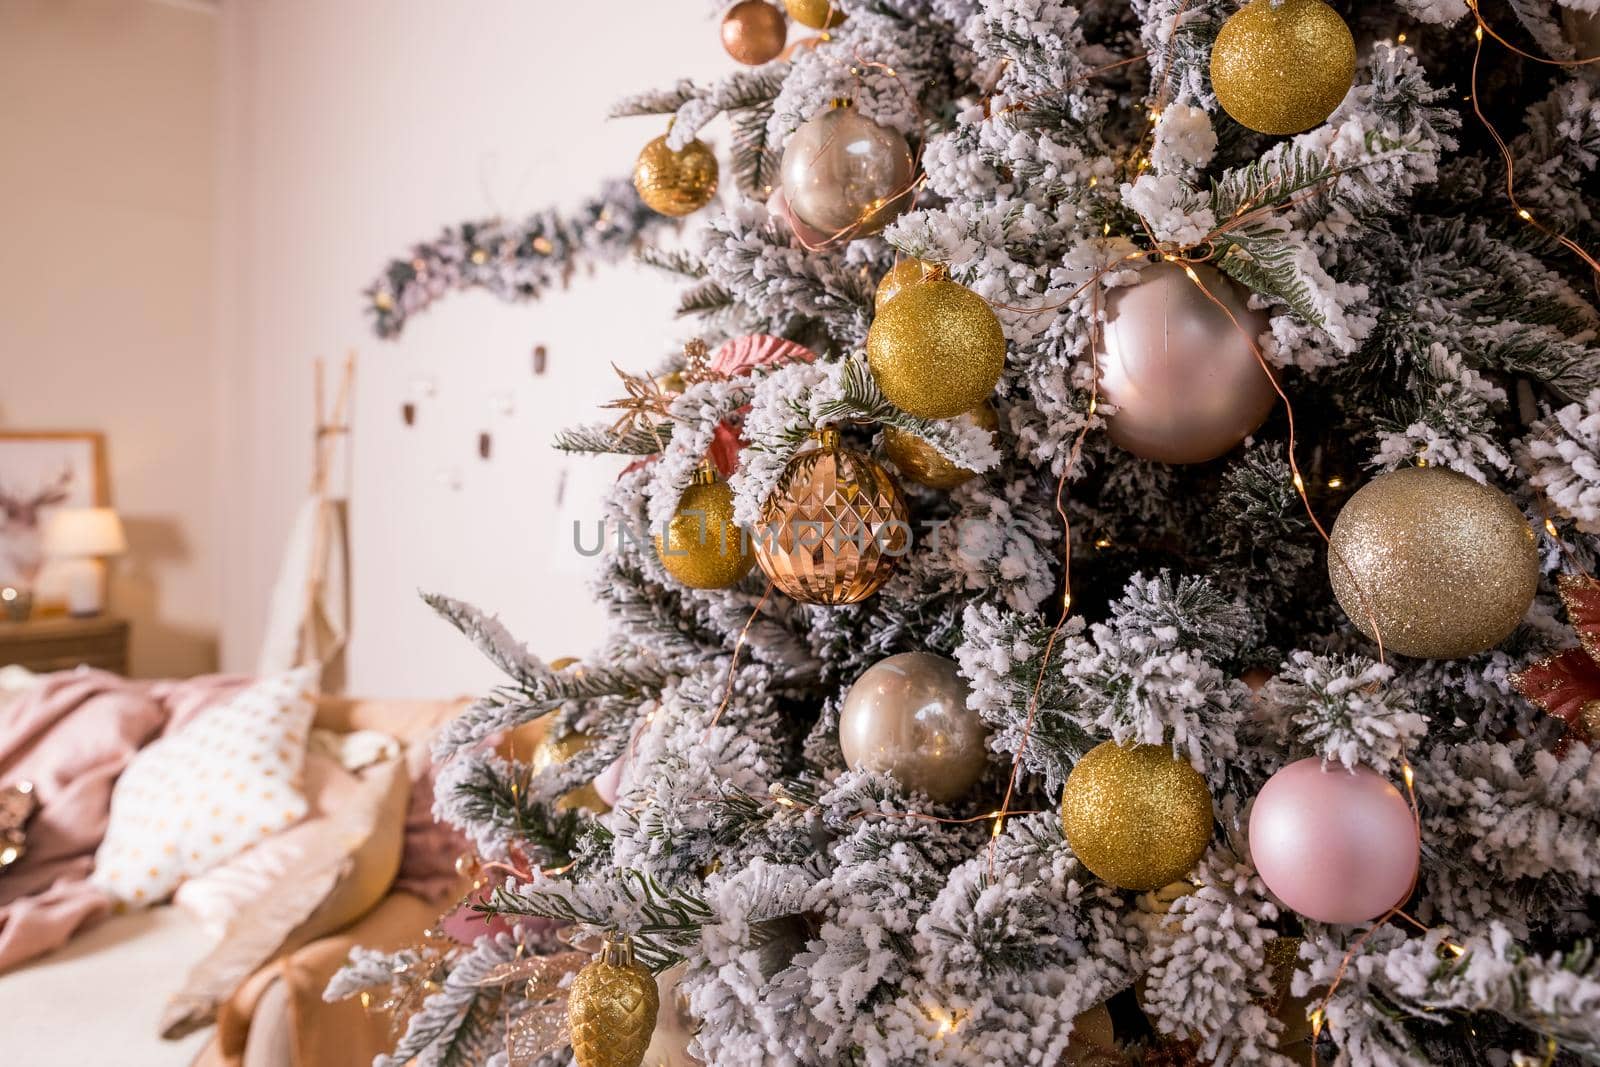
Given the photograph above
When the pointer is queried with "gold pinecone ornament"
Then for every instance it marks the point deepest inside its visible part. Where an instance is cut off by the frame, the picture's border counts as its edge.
(834, 526)
(675, 183)
(611, 1009)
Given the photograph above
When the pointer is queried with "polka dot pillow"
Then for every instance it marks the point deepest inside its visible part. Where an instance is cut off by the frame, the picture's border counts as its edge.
(222, 783)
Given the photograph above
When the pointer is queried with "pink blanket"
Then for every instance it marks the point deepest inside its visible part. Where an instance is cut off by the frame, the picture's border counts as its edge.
(71, 736)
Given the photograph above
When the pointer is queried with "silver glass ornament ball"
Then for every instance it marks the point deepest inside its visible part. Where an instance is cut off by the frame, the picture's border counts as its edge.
(907, 715)
(844, 174)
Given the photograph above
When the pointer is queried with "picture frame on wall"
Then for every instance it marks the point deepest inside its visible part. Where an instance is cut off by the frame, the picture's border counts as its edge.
(41, 470)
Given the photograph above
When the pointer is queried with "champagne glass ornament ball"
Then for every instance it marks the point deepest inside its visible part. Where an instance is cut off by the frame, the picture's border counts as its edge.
(846, 175)
(907, 715)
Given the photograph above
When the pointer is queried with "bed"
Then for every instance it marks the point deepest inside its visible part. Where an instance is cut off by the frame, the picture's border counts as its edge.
(101, 997)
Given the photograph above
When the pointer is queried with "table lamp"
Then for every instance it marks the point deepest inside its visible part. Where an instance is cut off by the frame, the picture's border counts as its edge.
(78, 539)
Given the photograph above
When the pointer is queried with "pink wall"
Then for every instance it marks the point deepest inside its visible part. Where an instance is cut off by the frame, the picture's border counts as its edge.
(108, 135)
(351, 129)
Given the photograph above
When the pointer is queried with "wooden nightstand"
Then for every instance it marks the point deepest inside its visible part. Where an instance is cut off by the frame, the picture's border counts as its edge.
(59, 644)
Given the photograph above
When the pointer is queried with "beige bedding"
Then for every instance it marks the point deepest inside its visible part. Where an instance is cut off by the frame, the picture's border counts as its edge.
(98, 999)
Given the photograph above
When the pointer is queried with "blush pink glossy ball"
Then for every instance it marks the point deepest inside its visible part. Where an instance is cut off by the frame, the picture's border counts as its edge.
(1335, 846)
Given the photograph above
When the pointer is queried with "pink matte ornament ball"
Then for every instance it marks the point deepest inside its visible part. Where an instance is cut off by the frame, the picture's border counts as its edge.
(1335, 846)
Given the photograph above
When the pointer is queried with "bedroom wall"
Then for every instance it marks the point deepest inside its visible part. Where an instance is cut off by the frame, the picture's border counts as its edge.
(351, 130)
(108, 135)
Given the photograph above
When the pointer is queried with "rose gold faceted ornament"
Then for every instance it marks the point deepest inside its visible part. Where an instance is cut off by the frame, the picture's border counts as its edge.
(834, 526)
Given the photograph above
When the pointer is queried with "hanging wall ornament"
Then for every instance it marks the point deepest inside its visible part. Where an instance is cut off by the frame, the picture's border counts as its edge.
(922, 463)
(1282, 68)
(907, 715)
(833, 527)
(675, 183)
(753, 32)
(936, 350)
(817, 14)
(1135, 815)
(702, 546)
(1444, 566)
(844, 174)
(905, 273)
(1334, 845)
(612, 1008)
(1186, 384)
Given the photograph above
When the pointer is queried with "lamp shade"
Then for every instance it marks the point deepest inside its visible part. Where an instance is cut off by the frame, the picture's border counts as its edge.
(71, 533)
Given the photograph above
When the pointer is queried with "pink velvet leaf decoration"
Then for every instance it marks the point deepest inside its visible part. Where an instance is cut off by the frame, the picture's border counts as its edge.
(744, 354)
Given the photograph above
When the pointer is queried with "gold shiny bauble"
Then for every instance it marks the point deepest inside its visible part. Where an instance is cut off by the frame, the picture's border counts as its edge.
(703, 547)
(922, 463)
(833, 527)
(1282, 69)
(1136, 816)
(1444, 566)
(904, 273)
(817, 14)
(675, 183)
(936, 350)
(753, 32)
(550, 753)
(611, 1008)
(845, 175)
(675, 1026)
(907, 716)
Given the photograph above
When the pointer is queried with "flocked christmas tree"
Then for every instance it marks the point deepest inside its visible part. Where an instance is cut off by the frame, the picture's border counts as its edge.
(1153, 626)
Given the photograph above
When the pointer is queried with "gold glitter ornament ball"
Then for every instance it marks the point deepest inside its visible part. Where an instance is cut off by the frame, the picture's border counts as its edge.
(936, 350)
(611, 1008)
(1137, 817)
(675, 183)
(922, 463)
(817, 14)
(1283, 69)
(833, 527)
(905, 273)
(703, 547)
(754, 32)
(1445, 566)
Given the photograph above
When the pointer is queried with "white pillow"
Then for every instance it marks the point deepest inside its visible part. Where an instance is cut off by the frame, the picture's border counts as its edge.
(220, 784)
